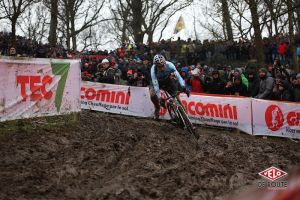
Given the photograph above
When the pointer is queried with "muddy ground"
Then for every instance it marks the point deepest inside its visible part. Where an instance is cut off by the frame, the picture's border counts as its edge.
(115, 157)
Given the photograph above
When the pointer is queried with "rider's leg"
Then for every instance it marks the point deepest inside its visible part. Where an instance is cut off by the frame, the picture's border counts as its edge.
(155, 102)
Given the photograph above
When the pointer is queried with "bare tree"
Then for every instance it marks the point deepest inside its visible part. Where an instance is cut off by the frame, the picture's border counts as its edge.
(290, 6)
(53, 22)
(12, 10)
(34, 22)
(297, 4)
(214, 23)
(227, 20)
(77, 16)
(259, 47)
(144, 17)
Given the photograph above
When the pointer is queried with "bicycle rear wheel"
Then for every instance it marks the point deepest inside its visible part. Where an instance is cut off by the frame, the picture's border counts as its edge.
(187, 122)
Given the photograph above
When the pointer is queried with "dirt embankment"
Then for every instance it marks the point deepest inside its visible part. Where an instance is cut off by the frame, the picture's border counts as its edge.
(115, 157)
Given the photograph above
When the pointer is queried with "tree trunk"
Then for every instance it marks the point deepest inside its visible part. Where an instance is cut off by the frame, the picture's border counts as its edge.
(226, 19)
(150, 36)
(68, 34)
(73, 32)
(124, 35)
(13, 30)
(259, 47)
(137, 21)
(291, 34)
(298, 14)
(53, 23)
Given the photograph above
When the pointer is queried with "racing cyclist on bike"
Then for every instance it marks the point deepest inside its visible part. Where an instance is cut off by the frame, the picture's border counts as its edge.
(164, 75)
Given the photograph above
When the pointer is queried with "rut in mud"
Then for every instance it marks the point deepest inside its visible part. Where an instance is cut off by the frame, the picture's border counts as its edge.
(115, 157)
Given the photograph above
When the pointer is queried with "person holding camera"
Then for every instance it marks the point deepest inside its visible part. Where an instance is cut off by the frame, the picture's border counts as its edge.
(278, 68)
(236, 86)
(137, 78)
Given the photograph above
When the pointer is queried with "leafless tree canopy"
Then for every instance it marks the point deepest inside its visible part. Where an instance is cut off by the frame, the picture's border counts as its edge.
(92, 23)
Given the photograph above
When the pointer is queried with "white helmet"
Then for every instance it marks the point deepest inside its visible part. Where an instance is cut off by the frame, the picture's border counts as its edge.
(159, 59)
(104, 61)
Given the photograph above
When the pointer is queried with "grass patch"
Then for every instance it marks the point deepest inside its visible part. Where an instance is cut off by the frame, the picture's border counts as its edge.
(53, 123)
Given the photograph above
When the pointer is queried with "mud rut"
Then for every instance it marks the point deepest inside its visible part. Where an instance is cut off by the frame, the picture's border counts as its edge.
(116, 157)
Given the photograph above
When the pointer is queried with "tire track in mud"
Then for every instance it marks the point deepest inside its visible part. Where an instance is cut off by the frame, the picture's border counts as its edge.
(116, 157)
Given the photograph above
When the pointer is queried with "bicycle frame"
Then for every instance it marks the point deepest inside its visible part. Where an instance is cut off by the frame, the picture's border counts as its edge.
(175, 107)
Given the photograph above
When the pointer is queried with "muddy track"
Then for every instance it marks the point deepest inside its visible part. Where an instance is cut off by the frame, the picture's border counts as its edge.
(115, 157)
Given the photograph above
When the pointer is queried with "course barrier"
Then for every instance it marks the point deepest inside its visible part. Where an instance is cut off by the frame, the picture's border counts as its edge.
(45, 87)
(38, 87)
(252, 116)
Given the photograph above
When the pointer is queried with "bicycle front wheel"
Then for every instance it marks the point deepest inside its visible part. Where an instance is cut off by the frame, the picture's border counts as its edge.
(187, 122)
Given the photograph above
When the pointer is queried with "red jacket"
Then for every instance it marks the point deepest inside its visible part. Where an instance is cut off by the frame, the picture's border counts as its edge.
(196, 85)
(282, 48)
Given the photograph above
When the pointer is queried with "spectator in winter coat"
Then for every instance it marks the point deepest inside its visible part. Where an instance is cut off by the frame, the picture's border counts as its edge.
(298, 51)
(265, 85)
(282, 50)
(239, 72)
(236, 88)
(107, 75)
(281, 92)
(217, 85)
(195, 81)
(296, 86)
(253, 87)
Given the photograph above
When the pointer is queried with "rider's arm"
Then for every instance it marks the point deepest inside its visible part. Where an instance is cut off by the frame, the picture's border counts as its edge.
(155, 82)
(180, 79)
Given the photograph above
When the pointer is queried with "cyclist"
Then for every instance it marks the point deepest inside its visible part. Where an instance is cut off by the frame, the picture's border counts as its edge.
(164, 75)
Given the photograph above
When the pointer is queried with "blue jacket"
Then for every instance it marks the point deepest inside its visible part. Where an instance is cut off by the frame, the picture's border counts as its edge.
(157, 75)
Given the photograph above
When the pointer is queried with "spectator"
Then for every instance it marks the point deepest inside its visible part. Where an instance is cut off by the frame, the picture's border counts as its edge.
(298, 52)
(239, 72)
(12, 51)
(236, 88)
(282, 51)
(266, 85)
(296, 87)
(217, 85)
(253, 87)
(281, 92)
(195, 81)
(107, 74)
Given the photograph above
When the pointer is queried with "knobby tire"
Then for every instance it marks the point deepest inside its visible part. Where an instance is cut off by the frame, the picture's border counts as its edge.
(187, 122)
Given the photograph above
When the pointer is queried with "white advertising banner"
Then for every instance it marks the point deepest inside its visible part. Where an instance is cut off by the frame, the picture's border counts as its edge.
(222, 111)
(273, 118)
(38, 87)
(119, 99)
(135, 101)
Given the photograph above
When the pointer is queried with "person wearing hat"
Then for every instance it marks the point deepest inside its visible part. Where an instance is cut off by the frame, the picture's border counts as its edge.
(266, 85)
(282, 92)
(108, 73)
(253, 80)
(217, 85)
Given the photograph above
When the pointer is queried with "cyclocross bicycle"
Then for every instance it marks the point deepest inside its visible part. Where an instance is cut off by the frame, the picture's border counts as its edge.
(178, 113)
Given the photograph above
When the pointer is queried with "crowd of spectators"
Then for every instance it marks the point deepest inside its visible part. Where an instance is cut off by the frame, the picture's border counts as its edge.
(23, 47)
(130, 65)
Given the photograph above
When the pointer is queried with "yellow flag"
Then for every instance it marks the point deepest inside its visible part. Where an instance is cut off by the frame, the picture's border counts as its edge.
(180, 25)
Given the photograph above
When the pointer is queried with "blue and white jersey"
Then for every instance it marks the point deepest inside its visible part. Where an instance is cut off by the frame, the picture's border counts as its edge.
(158, 75)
